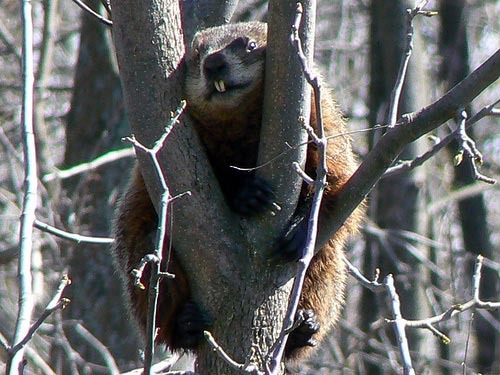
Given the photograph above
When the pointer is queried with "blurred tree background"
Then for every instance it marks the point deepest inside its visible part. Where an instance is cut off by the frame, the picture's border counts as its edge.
(425, 227)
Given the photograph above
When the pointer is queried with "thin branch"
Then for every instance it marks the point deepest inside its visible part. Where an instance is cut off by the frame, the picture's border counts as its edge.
(45, 64)
(155, 259)
(89, 10)
(246, 367)
(99, 347)
(403, 68)
(9, 41)
(467, 148)
(459, 195)
(26, 301)
(276, 353)
(56, 303)
(407, 165)
(474, 303)
(71, 236)
(374, 285)
(412, 127)
(108, 157)
(399, 326)
(38, 362)
(291, 148)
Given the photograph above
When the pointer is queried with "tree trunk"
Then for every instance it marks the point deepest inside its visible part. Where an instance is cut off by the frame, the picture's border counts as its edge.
(96, 123)
(223, 255)
(472, 211)
(395, 202)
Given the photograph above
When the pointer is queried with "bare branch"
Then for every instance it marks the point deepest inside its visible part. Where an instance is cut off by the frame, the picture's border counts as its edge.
(319, 184)
(412, 127)
(403, 166)
(71, 236)
(467, 148)
(247, 367)
(474, 303)
(403, 68)
(155, 259)
(9, 41)
(99, 347)
(373, 285)
(14, 363)
(108, 157)
(56, 303)
(399, 326)
(89, 10)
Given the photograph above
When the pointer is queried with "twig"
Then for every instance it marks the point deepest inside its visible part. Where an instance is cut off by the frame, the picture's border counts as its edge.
(10, 42)
(475, 303)
(467, 148)
(45, 64)
(246, 367)
(163, 368)
(306, 143)
(407, 165)
(399, 326)
(56, 303)
(14, 362)
(403, 68)
(155, 259)
(99, 347)
(459, 195)
(467, 342)
(373, 285)
(402, 238)
(277, 350)
(86, 8)
(71, 236)
(91, 165)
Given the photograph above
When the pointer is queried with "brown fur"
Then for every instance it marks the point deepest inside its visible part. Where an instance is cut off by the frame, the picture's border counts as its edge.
(229, 126)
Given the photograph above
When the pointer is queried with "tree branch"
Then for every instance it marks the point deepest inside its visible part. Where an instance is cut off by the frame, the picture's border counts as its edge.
(71, 236)
(201, 14)
(93, 13)
(286, 99)
(411, 127)
(404, 166)
(108, 157)
(14, 363)
(56, 303)
(319, 186)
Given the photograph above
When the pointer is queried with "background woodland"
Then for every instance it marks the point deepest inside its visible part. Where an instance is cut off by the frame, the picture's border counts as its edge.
(425, 226)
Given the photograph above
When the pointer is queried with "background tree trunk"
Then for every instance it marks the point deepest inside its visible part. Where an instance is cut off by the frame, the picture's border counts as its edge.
(454, 46)
(96, 123)
(396, 201)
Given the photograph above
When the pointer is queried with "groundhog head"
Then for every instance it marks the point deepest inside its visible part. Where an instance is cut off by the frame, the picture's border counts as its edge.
(225, 67)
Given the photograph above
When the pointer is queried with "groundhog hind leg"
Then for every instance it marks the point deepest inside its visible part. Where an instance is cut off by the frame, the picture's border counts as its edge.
(179, 321)
(321, 300)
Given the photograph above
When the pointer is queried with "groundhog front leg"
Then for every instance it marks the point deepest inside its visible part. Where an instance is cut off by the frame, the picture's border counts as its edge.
(251, 196)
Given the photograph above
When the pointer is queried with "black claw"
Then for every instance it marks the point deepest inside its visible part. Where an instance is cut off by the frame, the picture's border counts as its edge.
(253, 197)
(303, 335)
(189, 326)
(290, 247)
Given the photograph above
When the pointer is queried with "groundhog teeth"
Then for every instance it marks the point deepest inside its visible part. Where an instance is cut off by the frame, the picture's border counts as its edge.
(220, 86)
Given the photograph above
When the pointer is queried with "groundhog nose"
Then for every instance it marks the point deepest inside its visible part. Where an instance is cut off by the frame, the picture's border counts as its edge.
(215, 66)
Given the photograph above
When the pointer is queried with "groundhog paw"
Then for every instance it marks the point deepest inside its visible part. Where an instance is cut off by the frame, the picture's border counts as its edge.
(189, 326)
(303, 334)
(290, 247)
(254, 197)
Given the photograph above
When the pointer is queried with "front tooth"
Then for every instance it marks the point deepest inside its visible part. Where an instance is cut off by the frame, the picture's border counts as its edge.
(220, 86)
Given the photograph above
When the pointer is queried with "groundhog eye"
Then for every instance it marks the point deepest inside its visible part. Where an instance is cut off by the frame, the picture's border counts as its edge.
(252, 44)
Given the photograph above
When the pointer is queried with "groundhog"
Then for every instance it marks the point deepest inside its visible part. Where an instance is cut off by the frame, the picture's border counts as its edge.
(224, 88)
